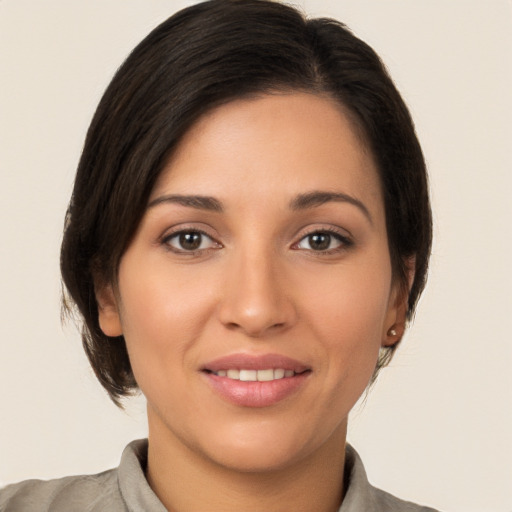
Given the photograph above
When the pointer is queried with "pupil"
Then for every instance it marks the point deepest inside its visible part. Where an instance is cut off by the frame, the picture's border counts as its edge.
(190, 241)
(319, 241)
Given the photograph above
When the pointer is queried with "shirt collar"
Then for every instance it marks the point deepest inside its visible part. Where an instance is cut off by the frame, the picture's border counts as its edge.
(135, 490)
(138, 495)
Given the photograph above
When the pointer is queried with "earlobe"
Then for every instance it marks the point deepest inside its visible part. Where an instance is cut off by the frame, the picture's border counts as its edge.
(108, 311)
(394, 327)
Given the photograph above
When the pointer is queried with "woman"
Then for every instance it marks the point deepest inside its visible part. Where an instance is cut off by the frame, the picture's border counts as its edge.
(248, 235)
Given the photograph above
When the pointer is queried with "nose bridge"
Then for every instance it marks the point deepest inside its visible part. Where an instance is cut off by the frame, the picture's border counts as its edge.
(254, 298)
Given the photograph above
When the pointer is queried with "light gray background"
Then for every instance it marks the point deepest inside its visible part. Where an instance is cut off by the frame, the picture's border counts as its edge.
(437, 427)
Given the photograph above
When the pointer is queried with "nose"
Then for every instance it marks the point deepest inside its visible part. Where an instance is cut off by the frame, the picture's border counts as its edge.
(255, 299)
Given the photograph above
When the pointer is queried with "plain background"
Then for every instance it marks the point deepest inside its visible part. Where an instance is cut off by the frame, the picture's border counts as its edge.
(437, 427)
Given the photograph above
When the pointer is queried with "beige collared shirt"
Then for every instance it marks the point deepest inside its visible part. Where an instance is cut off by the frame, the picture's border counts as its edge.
(126, 489)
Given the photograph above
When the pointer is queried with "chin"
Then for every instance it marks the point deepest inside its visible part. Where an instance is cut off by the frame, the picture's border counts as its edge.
(261, 448)
(256, 458)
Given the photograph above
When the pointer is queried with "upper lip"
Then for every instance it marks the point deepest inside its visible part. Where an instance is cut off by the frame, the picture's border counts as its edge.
(255, 362)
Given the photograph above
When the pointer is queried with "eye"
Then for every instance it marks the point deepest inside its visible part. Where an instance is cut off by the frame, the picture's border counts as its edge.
(323, 241)
(190, 241)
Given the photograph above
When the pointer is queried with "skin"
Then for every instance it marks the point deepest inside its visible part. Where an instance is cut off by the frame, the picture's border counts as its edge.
(257, 285)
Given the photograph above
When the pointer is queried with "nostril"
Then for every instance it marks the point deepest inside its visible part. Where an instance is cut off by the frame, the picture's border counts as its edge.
(254, 331)
(253, 313)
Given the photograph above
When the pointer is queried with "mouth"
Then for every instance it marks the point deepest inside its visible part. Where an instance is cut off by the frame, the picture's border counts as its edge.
(247, 375)
(256, 381)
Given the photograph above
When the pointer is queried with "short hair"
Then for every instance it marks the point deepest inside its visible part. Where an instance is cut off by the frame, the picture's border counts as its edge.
(200, 58)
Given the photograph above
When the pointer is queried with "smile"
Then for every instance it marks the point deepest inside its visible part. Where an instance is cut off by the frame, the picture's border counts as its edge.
(256, 375)
(248, 380)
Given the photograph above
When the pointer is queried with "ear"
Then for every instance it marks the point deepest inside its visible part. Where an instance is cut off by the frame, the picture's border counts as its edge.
(108, 311)
(396, 317)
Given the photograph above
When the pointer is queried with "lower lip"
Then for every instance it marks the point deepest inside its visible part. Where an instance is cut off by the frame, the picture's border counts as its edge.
(255, 393)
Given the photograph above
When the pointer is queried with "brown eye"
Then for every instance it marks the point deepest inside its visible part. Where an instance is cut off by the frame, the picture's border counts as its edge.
(322, 241)
(319, 241)
(190, 241)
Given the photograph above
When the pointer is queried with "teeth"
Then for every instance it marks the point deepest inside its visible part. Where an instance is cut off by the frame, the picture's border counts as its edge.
(256, 375)
(279, 373)
(265, 375)
(233, 374)
(248, 375)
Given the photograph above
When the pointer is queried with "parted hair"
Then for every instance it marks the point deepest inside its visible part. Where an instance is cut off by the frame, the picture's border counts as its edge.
(200, 58)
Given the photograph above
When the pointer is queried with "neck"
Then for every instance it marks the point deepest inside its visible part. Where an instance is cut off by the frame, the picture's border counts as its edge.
(186, 480)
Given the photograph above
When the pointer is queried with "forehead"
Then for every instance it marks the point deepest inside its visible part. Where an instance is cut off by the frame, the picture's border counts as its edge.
(271, 146)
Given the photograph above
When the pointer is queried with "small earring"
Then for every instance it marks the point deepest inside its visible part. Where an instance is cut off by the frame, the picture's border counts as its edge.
(391, 332)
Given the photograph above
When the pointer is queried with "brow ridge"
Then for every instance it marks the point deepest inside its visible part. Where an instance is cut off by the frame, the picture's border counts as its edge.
(301, 202)
(320, 197)
(191, 201)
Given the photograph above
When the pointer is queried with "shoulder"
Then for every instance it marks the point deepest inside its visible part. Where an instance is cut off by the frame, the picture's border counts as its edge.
(362, 496)
(116, 490)
(90, 493)
(389, 503)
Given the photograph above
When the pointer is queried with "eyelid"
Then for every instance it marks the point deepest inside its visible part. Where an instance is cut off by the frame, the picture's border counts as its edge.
(178, 230)
(342, 235)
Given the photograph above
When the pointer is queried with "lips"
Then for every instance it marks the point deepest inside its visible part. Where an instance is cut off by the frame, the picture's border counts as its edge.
(255, 381)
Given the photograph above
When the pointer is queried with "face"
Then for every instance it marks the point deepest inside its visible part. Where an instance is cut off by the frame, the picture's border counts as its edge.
(258, 289)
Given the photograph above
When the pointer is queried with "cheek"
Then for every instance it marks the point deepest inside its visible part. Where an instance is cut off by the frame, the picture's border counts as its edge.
(162, 314)
(157, 297)
(351, 303)
(347, 313)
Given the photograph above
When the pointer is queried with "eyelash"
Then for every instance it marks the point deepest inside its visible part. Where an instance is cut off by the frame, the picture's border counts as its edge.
(166, 241)
(344, 241)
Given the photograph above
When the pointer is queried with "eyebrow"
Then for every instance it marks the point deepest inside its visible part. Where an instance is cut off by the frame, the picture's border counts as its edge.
(300, 202)
(319, 197)
(199, 202)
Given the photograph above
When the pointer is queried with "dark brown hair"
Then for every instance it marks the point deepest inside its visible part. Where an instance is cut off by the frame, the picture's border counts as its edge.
(202, 57)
